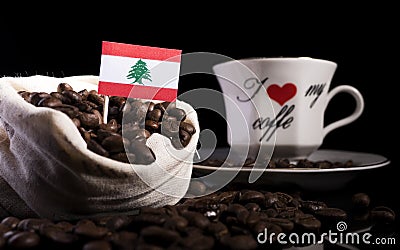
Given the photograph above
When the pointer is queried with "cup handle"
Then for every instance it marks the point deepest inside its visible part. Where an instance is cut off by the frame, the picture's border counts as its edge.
(357, 112)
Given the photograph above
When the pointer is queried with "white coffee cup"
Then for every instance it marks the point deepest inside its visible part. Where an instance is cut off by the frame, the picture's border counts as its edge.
(283, 102)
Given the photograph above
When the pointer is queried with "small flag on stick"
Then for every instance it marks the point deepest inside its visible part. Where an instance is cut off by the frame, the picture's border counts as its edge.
(136, 71)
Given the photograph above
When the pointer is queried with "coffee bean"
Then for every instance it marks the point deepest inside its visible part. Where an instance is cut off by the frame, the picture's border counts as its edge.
(331, 214)
(116, 223)
(313, 206)
(124, 240)
(57, 234)
(69, 110)
(97, 245)
(146, 219)
(84, 107)
(270, 199)
(271, 212)
(282, 163)
(4, 229)
(154, 115)
(95, 98)
(97, 148)
(184, 137)
(187, 127)
(323, 164)
(87, 228)
(208, 207)
(160, 236)
(360, 200)
(144, 155)
(113, 144)
(308, 223)
(8, 234)
(253, 207)
(151, 125)
(170, 126)
(124, 157)
(196, 219)
(197, 188)
(138, 134)
(26, 95)
(65, 226)
(178, 113)
(117, 101)
(11, 222)
(63, 86)
(138, 111)
(176, 222)
(49, 102)
(287, 212)
(177, 143)
(304, 163)
(252, 219)
(111, 126)
(382, 214)
(32, 224)
(113, 111)
(197, 242)
(285, 224)
(217, 229)
(2, 242)
(24, 240)
(150, 106)
(239, 211)
(72, 95)
(228, 197)
(147, 246)
(77, 122)
(99, 116)
(37, 97)
(162, 106)
(239, 242)
(103, 134)
(252, 196)
(84, 93)
(89, 120)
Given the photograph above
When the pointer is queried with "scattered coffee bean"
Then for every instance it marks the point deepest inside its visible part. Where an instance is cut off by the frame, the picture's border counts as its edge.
(382, 214)
(227, 219)
(361, 201)
(97, 245)
(11, 222)
(283, 163)
(239, 242)
(252, 196)
(24, 240)
(160, 236)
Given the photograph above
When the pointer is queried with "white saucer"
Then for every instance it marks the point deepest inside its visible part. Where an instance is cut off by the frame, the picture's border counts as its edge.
(312, 178)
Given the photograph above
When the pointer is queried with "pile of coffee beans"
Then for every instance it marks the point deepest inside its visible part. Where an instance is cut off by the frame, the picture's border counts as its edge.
(130, 122)
(224, 220)
(285, 163)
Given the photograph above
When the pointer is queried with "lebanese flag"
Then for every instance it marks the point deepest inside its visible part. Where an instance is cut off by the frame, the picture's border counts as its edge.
(139, 71)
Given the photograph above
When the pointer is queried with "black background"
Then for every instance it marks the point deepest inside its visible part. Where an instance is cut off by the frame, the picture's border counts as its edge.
(362, 41)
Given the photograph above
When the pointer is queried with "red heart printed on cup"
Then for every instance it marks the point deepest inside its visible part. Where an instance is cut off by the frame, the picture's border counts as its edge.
(282, 94)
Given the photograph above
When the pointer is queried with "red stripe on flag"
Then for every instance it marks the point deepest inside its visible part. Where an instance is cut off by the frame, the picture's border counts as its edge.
(137, 91)
(143, 52)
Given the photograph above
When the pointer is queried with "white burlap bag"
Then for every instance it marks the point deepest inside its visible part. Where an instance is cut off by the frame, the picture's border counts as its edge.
(44, 159)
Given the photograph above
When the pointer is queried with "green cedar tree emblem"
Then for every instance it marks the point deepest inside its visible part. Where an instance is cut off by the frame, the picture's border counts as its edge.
(138, 72)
